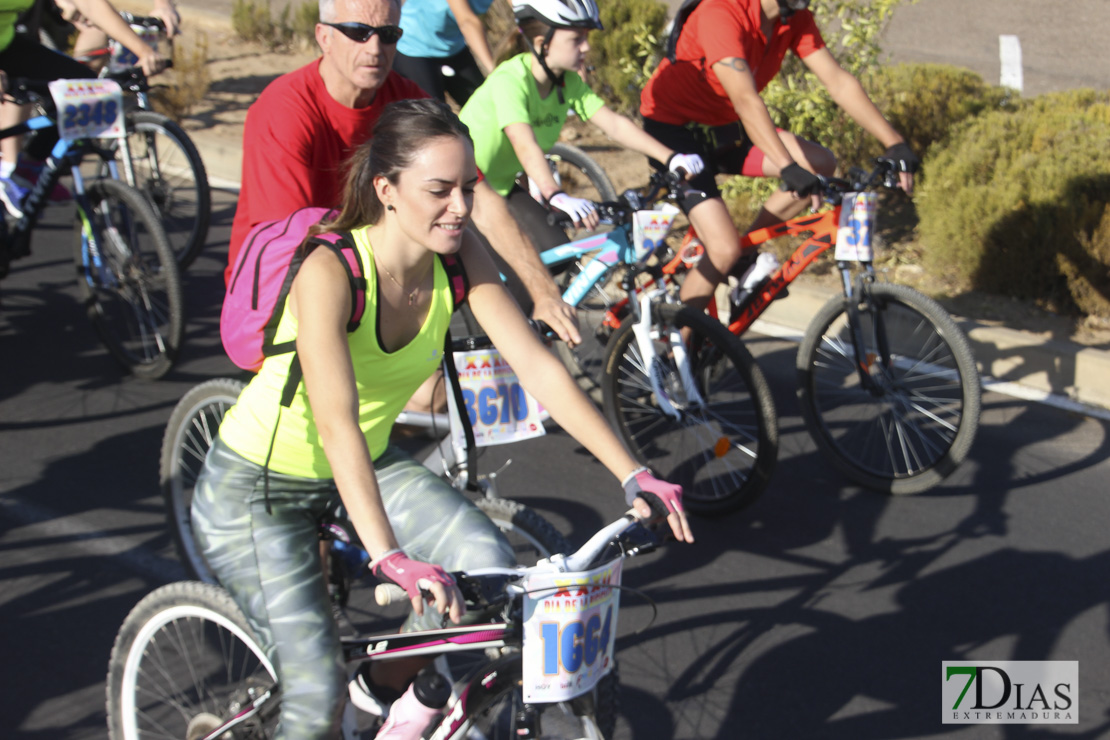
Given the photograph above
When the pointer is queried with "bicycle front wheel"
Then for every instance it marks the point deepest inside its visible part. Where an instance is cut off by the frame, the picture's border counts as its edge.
(128, 278)
(185, 662)
(170, 173)
(189, 433)
(718, 440)
(494, 703)
(912, 422)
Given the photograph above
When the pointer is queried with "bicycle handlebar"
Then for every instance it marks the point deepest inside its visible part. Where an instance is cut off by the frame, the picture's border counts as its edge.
(147, 21)
(484, 586)
(662, 185)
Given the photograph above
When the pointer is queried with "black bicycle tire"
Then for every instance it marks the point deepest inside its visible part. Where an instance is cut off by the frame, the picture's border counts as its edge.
(181, 598)
(511, 516)
(809, 397)
(189, 433)
(167, 276)
(577, 158)
(595, 336)
(710, 485)
(137, 121)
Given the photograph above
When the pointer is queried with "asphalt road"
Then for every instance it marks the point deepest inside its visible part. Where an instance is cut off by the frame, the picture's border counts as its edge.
(823, 611)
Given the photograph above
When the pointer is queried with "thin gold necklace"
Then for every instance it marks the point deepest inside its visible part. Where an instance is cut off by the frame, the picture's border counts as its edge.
(412, 293)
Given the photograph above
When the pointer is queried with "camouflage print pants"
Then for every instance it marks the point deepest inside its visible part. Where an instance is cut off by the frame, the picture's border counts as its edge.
(270, 563)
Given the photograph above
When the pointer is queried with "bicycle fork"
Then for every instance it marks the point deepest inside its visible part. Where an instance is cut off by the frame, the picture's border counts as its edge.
(859, 301)
(653, 364)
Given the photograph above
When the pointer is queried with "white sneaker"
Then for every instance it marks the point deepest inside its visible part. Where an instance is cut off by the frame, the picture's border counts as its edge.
(13, 191)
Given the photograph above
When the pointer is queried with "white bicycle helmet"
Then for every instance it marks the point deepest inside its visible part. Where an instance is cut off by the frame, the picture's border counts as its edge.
(559, 13)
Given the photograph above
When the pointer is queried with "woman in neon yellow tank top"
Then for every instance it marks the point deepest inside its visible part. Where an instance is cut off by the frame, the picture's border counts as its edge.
(408, 198)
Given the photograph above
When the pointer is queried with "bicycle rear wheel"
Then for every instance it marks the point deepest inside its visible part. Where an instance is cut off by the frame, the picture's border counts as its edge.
(916, 422)
(722, 447)
(128, 279)
(170, 173)
(579, 175)
(189, 433)
(184, 662)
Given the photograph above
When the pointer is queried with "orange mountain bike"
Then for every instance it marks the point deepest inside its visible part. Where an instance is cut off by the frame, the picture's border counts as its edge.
(888, 386)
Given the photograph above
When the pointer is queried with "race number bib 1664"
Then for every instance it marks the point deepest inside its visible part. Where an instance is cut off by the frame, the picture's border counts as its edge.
(500, 411)
(88, 109)
(570, 626)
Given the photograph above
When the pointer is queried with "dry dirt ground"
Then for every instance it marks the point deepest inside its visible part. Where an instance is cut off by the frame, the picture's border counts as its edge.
(239, 71)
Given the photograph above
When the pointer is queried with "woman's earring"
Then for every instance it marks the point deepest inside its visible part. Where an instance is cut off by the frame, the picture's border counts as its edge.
(389, 208)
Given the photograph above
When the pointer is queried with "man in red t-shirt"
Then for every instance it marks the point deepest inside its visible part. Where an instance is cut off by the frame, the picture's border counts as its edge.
(303, 126)
(707, 102)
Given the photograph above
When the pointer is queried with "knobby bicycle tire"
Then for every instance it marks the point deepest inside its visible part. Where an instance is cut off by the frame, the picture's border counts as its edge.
(134, 295)
(189, 433)
(531, 536)
(573, 165)
(170, 173)
(919, 423)
(182, 662)
(722, 453)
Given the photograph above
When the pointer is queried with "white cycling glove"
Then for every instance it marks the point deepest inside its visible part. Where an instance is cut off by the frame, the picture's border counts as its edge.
(577, 208)
(691, 164)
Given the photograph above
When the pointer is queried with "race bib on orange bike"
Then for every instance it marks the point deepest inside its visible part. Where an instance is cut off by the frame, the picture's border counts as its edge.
(855, 236)
(570, 627)
(499, 409)
(88, 109)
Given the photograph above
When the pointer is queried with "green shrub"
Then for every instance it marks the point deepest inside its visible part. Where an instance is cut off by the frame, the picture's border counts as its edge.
(924, 101)
(625, 54)
(1016, 203)
(253, 21)
(180, 88)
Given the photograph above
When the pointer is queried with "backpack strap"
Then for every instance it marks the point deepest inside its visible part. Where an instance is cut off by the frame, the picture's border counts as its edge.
(452, 374)
(670, 46)
(343, 245)
(456, 277)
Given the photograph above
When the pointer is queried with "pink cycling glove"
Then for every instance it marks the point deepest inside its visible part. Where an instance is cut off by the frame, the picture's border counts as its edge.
(411, 575)
(662, 497)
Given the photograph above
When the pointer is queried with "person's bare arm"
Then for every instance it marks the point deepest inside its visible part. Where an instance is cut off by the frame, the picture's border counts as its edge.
(847, 92)
(544, 376)
(474, 32)
(736, 78)
(108, 19)
(622, 130)
(493, 219)
(532, 159)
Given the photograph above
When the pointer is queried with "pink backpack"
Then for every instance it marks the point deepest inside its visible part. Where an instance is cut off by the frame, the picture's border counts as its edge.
(263, 274)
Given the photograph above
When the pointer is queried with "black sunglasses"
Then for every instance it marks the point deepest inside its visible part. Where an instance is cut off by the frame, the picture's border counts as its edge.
(361, 33)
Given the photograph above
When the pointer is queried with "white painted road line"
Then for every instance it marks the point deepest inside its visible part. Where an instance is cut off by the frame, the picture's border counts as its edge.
(1009, 52)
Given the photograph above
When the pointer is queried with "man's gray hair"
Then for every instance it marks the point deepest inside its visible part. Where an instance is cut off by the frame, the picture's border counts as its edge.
(327, 9)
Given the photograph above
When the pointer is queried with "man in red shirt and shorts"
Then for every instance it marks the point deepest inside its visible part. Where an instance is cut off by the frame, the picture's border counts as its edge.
(305, 124)
(707, 102)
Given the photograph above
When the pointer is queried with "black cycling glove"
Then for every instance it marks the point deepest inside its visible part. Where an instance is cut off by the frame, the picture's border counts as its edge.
(904, 157)
(800, 180)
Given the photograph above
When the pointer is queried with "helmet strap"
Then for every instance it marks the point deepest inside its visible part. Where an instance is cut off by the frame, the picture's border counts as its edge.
(541, 57)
